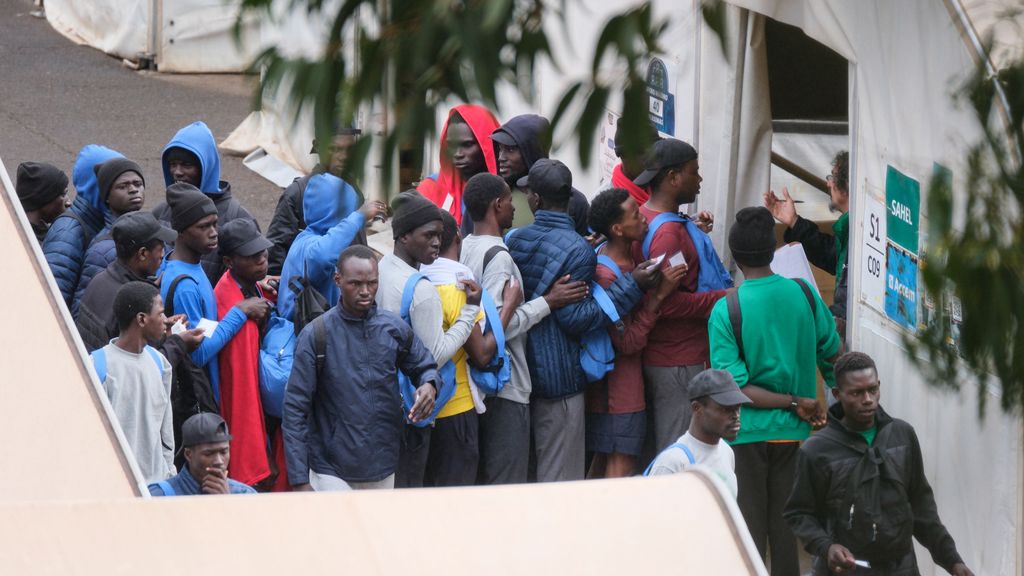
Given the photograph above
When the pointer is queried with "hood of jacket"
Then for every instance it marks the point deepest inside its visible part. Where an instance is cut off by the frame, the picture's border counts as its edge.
(326, 201)
(86, 186)
(197, 139)
(527, 130)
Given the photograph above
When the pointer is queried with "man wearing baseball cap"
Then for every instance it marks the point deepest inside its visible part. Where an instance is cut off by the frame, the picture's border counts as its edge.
(715, 400)
(207, 448)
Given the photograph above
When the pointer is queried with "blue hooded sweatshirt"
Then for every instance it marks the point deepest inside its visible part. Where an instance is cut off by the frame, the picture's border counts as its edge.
(70, 235)
(332, 222)
(197, 139)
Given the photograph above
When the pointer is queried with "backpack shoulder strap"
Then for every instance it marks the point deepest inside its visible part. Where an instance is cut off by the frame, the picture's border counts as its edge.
(407, 294)
(676, 445)
(609, 264)
(99, 363)
(167, 488)
(732, 302)
(320, 344)
(655, 224)
(511, 232)
(169, 303)
(807, 294)
(494, 250)
(156, 359)
(606, 304)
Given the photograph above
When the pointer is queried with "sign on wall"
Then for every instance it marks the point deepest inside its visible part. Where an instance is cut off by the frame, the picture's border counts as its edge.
(903, 201)
(901, 287)
(873, 260)
(661, 96)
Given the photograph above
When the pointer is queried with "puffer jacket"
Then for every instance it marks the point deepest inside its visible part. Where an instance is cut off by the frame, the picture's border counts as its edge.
(68, 238)
(544, 252)
(197, 139)
(98, 256)
(332, 223)
(824, 465)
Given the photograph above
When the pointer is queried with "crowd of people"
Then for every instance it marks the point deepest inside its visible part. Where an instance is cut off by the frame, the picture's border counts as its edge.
(517, 332)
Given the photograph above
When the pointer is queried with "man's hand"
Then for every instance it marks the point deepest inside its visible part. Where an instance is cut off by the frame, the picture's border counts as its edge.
(671, 277)
(255, 308)
(268, 285)
(783, 209)
(595, 239)
(307, 487)
(566, 291)
(473, 292)
(512, 294)
(705, 221)
(373, 209)
(961, 569)
(172, 320)
(424, 402)
(192, 338)
(839, 558)
(646, 275)
(809, 410)
(215, 481)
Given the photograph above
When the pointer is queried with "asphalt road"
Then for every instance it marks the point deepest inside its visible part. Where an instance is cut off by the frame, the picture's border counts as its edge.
(56, 97)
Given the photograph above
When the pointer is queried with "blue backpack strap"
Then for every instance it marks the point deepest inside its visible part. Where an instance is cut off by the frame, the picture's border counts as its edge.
(99, 363)
(493, 320)
(509, 234)
(609, 264)
(156, 359)
(655, 224)
(407, 293)
(712, 275)
(606, 304)
(679, 445)
(167, 488)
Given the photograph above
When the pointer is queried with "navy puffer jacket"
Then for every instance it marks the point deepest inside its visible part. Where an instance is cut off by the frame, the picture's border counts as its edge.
(70, 235)
(98, 256)
(544, 252)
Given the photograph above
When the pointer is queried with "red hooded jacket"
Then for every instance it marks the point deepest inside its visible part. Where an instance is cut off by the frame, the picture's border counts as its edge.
(449, 182)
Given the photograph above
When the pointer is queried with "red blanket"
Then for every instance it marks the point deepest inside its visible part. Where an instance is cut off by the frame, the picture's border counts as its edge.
(240, 391)
(620, 180)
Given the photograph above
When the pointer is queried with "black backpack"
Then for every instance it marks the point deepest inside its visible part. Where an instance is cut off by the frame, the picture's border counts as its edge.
(310, 304)
(873, 518)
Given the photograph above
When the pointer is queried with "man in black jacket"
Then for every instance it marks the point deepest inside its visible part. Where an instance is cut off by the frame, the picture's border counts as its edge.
(288, 219)
(864, 449)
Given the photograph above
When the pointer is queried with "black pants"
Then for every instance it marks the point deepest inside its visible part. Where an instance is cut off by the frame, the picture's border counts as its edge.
(446, 454)
(504, 442)
(764, 476)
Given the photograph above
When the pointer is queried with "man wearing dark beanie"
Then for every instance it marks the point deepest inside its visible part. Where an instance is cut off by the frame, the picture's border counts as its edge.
(417, 229)
(184, 285)
(43, 191)
(778, 319)
(122, 190)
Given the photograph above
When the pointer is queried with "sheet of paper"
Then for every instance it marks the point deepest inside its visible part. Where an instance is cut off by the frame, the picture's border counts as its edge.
(178, 327)
(862, 563)
(791, 261)
(658, 259)
(676, 259)
(448, 201)
(208, 326)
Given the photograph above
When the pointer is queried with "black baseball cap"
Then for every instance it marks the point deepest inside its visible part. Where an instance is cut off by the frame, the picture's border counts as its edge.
(720, 386)
(241, 237)
(136, 229)
(204, 428)
(548, 178)
(666, 153)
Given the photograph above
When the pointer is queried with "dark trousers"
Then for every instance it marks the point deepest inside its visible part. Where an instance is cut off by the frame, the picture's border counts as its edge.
(764, 478)
(504, 442)
(446, 454)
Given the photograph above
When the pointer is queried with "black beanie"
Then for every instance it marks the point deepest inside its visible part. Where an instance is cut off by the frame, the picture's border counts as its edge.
(752, 238)
(111, 170)
(39, 184)
(412, 210)
(188, 205)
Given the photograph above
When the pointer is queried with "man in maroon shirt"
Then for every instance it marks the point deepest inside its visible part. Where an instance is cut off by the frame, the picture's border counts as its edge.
(677, 346)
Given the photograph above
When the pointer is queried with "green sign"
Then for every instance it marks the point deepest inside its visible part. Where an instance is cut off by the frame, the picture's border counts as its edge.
(903, 205)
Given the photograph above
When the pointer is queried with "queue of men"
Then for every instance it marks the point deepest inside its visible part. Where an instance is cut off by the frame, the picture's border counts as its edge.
(515, 333)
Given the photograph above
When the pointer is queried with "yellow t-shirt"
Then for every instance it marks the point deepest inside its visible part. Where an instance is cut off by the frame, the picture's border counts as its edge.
(452, 301)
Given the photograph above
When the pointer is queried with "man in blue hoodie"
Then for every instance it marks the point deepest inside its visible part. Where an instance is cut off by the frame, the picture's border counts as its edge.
(191, 157)
(186, 289)
(332, 223)
(520, 143)
(71, 233)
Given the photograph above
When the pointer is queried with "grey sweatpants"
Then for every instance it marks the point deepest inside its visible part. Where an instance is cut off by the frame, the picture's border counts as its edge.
(668, 401)
(504, 442)
(558, 437)
(331, 483)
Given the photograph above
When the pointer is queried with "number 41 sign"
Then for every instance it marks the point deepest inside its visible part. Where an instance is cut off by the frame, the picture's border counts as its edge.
(872, 273)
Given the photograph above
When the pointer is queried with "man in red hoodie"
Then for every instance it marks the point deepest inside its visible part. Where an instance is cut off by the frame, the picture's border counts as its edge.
(465, 152)
(244, 252)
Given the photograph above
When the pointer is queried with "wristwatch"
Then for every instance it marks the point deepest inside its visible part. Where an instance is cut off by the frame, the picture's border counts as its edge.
(793, 404)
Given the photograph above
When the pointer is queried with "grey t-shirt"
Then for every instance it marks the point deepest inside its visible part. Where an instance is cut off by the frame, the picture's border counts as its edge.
(716, 457)
(498, 272)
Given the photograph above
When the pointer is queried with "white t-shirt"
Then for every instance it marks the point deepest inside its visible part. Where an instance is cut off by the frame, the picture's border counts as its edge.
(716, 457)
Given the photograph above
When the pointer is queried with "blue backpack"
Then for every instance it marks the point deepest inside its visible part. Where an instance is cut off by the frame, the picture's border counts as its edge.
(677, 445)
(492, 378)
(446, 373)
(597, 356)
(99, 362)
(712, 274)
(277, 353)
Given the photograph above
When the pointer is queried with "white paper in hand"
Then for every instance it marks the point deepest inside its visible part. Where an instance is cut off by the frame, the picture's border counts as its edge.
(676, 259)
(177, 328)
(208, 326)
(658, 259)
(791, 261)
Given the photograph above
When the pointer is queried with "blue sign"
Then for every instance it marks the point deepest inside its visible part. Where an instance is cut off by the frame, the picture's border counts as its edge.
(901, 287)
(662, 107)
